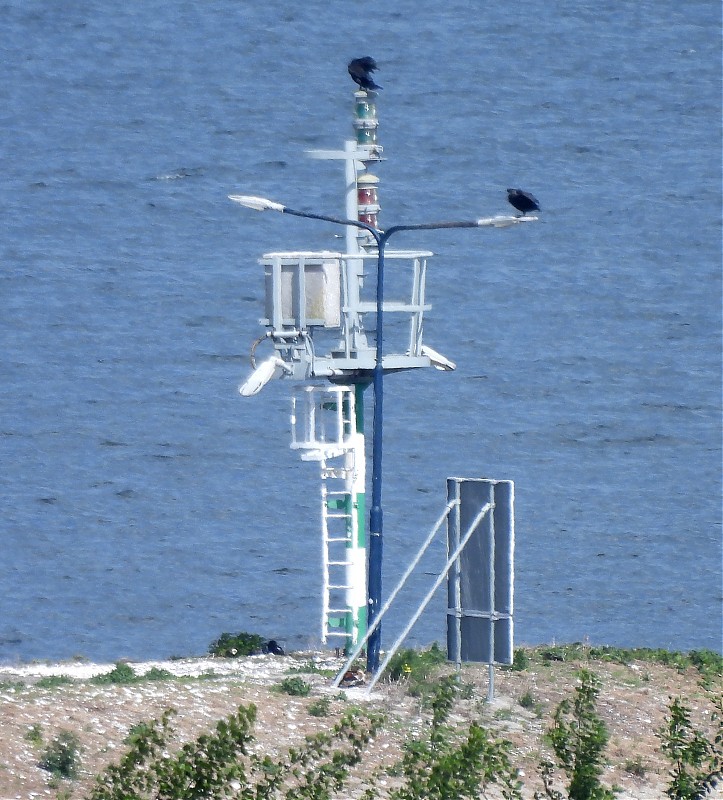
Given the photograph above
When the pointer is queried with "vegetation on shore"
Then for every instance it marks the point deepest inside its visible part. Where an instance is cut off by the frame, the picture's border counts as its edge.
(444, 759)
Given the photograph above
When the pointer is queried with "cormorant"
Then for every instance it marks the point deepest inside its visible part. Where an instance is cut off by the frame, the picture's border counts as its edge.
(522, 201)
(275, 648)
(361, 70)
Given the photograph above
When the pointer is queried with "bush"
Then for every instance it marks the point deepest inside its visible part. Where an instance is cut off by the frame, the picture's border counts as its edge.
(528, 702)
(308, 668)
(62, 755)
(635, 766)
(35, 734)
(156, 674)
(138, 732)
(51, 681)
(219, 764)
(451, 765)
(520, 661)
(320, 708)
(708, 663)
(416, 666)
(122, 673)
(579, 737)
(233, 645)
(295, 686)
(697, 764)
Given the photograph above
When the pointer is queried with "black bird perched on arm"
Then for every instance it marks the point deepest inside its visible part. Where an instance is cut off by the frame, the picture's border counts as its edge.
(361, 70)
(522, 201)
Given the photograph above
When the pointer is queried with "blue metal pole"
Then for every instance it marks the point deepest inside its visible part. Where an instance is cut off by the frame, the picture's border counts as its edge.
(376, 522)
(376, 541)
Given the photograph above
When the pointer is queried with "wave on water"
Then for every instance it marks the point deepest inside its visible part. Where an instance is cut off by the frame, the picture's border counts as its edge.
(183, 172)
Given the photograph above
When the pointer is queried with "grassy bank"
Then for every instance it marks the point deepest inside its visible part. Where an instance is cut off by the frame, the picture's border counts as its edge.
(62, 725)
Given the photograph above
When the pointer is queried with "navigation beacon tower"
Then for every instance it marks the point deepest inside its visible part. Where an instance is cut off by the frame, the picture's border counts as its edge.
(320, 317)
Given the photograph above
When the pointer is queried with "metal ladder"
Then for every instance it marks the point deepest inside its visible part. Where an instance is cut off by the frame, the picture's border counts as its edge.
(337, 526)
(324, 429)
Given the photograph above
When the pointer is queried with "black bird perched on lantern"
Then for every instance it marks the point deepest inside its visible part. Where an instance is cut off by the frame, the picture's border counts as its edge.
(522, 201)
(361, 70)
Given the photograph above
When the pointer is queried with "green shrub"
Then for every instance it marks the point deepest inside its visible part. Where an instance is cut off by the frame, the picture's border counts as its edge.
(310, 668)
(624, 655)
(295, 686)
(557, 653)
(635, 766)
(466, 691)
(707, 662)
(137, 733)
(156, 674)
(121, 673)
(233, 645)
(415, 665)
(35, 734)
(528, 702)
(450, 765)
(219, 764)
(62, 756)
(124, 674)
(11, 686)
(51, 681)
(520, 660)
(696, 762)
(578, 737)
(320, 708)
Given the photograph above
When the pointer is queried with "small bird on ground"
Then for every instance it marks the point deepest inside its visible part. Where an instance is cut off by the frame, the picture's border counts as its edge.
(522, 201)
(275, 648)
(361, 70)
(354, 677)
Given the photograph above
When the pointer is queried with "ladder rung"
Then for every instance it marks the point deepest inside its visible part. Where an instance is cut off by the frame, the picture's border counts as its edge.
(338, 514)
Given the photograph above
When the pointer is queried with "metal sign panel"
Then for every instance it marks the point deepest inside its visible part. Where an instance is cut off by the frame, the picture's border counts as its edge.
(480, 585)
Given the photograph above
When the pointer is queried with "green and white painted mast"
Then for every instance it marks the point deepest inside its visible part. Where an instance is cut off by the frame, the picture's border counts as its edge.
(327, 426)
(356, 593)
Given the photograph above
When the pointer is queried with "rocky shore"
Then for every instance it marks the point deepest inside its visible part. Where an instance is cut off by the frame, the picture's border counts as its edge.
(36, 704)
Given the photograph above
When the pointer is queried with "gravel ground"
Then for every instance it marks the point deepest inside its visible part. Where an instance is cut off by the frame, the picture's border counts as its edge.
(633, 703)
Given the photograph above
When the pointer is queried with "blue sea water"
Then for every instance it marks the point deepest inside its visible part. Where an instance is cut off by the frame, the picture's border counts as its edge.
(147, 507)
